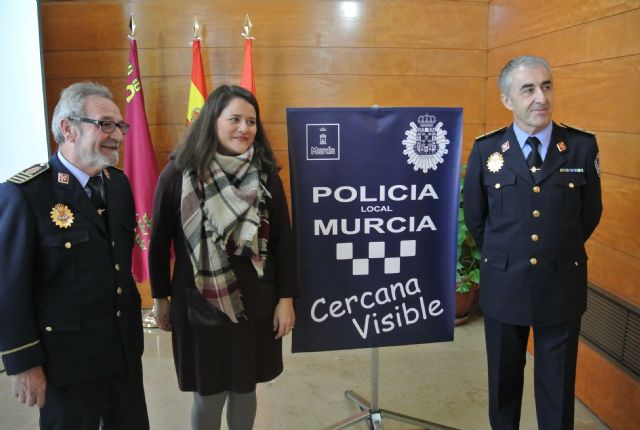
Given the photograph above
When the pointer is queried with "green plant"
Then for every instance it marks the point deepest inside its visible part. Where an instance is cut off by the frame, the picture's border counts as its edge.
(468, 262)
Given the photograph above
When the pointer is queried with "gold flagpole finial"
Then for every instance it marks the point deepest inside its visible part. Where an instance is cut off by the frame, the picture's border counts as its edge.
(132, 27)
(247, 28)
(196, 28)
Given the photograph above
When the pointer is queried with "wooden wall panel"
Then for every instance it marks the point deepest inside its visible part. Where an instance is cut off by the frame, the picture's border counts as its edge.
(271, 61)
(615, 271)
(579, 44)
(621, 201)
(614, 394)
(514, 20)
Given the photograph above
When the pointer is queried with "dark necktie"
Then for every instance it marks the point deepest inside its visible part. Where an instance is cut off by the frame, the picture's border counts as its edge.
(96, 187)
(534, 160)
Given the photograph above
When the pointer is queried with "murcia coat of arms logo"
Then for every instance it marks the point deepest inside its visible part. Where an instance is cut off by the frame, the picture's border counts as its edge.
(426, 143)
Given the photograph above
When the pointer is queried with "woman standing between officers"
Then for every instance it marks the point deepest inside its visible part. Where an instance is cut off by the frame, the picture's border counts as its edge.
(228, 300)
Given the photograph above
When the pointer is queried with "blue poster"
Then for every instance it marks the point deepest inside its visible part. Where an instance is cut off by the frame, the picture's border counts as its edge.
(375, 211)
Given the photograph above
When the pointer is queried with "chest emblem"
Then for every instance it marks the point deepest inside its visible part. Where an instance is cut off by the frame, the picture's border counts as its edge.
(62, 216)
(495, 162)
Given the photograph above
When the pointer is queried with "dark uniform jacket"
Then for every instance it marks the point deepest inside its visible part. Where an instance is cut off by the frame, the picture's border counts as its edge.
(531, 233)
(67, 297)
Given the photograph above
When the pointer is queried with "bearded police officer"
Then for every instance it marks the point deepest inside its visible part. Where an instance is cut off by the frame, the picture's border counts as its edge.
(531, 200)
(70, 323)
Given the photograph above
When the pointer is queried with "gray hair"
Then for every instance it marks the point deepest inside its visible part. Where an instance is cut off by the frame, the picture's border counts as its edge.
(71, 103)
(527, 61)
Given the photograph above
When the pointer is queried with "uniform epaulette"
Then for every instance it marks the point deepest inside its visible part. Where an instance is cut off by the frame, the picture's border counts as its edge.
(577, 129)
(28, 174)
(491, 133)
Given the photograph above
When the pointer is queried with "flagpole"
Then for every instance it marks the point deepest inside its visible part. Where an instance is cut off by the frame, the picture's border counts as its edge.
(140, 167)
(247, 79)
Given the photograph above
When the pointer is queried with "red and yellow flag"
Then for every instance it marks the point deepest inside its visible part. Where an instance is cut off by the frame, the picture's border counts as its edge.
(198, 86)
(139, 163)
(247, 80)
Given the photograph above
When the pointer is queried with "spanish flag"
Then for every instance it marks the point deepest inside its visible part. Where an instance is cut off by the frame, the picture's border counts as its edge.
(198, 87)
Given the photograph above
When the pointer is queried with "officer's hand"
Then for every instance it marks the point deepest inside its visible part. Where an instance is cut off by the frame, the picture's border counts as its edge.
(29, 386)
(161, 309)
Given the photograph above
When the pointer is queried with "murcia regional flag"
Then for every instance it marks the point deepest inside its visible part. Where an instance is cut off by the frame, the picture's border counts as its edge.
(139, 164)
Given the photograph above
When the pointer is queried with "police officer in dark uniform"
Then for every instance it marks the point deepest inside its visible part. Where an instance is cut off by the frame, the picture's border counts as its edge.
(531, 200)
(70, 322)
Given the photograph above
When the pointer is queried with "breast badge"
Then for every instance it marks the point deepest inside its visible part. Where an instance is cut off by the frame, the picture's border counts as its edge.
(495, 162)
(62, 216)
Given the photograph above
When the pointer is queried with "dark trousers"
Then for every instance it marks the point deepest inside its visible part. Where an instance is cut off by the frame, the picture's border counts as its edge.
(114, 402)
(556, 350)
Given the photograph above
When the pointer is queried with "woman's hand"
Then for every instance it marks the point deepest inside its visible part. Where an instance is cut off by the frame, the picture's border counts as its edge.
(284, 317)
(161, 309)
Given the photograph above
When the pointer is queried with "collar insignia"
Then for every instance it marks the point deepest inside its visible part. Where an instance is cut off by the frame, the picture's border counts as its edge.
(62, 216)
(561, 146)
(495, 162)
(63, 178)
(505, 146)
(105, 172)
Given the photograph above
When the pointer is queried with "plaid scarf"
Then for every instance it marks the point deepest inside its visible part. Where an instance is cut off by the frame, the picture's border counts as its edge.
(226, 214)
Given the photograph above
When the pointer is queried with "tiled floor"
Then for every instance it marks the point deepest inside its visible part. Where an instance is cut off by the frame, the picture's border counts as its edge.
(443, 383)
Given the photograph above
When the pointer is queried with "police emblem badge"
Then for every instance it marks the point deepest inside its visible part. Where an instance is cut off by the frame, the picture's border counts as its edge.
(62, 216)
(426, 143)
(505, 146)
(495, 162)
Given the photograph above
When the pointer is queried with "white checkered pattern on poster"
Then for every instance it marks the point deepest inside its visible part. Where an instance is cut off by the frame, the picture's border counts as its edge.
(377, 251)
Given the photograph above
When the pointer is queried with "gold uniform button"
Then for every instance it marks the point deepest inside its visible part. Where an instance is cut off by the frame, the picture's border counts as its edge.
(535, 213)
(536, 189)
(119, 290)
(533, 261)
(48, 329)
(486, 259)
(497, 186)
(576, 263)
(534, 237)
(571, 185)
(117, 267)
(118, 314)
(67, 245)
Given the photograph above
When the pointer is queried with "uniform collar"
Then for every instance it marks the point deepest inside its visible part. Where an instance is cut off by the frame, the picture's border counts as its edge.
(544, 136)
(80, 176)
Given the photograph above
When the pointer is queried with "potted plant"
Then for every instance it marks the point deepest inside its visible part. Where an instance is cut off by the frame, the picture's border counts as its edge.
(467, 267)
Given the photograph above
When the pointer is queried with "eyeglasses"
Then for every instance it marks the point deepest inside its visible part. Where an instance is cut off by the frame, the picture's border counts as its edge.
(105, 125)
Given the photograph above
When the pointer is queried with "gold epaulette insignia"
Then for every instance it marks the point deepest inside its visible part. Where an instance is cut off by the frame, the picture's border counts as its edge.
(578, 129)
(28, 174)
(491, 133)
